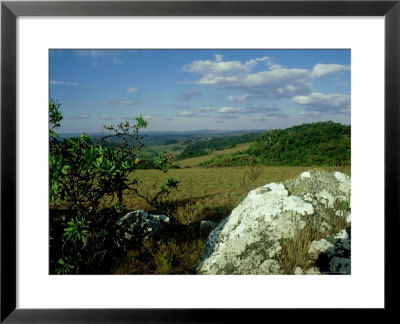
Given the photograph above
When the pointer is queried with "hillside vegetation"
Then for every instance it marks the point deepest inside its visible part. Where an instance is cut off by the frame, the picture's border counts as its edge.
(201, 147)
(194, 162)
(315, 144)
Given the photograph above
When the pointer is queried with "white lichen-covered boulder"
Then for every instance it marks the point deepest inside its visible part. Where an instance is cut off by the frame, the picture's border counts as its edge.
(320, 187)
(249, 241)
(139, 224)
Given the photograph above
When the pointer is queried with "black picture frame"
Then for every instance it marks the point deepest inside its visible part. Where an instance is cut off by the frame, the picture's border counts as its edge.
(10, 10)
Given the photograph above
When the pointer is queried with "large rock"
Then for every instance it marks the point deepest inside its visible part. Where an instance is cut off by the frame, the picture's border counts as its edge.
(249, 241)
(139, 224)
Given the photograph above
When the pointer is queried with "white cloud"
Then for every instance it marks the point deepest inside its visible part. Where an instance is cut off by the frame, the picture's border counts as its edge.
(80, 116)
(330, 103)
(253, 62)
(218, 58)
(99, 53)
(274, 80)
(52, 82)
(238, 98)
(117, 60)
(207, 109)
(230, 110)
(237, 75)
(187, 113)
(132, 90)
(322, 70)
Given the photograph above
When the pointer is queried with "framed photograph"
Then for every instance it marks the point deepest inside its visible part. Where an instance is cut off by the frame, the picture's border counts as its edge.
(197, 161)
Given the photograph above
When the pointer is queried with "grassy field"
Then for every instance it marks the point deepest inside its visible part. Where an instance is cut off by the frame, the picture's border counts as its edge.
(208, 193)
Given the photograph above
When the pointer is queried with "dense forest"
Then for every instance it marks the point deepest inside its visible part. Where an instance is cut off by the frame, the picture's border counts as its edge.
(200, 148)
(315, 144)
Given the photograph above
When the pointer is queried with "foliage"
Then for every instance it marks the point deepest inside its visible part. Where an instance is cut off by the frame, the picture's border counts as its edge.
(235, 159)
(314, 144)
(204, 147)
(324, 143)
(83, 174)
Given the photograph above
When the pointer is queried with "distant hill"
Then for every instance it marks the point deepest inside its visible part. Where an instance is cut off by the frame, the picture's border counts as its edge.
(206, 146)
(314, 144)
(217, 138)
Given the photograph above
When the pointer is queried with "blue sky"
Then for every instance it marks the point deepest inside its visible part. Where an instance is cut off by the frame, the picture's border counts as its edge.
(200, 89)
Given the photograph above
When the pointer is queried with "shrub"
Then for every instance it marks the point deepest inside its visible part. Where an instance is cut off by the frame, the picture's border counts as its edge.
(84, 174)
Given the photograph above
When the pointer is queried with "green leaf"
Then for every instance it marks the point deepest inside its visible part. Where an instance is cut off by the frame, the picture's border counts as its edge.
(65, 169)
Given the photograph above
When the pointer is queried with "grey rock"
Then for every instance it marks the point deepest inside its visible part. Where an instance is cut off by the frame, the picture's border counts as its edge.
(318, 247)
(337, 258)
(249, 240)
(139, 224)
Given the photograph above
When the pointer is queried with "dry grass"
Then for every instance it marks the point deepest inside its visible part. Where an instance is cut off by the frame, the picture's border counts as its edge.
(169, 257)
(207, 193)
(295, 250)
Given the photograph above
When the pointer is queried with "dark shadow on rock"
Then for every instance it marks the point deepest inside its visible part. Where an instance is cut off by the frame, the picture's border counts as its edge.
(337, 259)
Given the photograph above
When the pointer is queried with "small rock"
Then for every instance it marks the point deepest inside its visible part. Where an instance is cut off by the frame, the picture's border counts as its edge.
(318, 247)
(139, 224)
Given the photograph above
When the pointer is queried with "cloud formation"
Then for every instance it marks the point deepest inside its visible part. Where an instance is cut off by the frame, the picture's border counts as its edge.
(230, 110)
(274, 80)
(132, 90)
(53, 82)
(322, 70)
(187, 113)
(99, 53)
(207, 109)
(80, 116)
(271, 80)
(328, 103)
(238, 98)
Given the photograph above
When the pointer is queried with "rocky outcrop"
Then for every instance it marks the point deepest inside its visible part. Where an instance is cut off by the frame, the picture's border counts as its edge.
(139, 224)
(252, 239)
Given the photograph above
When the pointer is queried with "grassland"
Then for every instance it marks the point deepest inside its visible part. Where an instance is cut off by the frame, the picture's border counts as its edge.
(209, 193)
